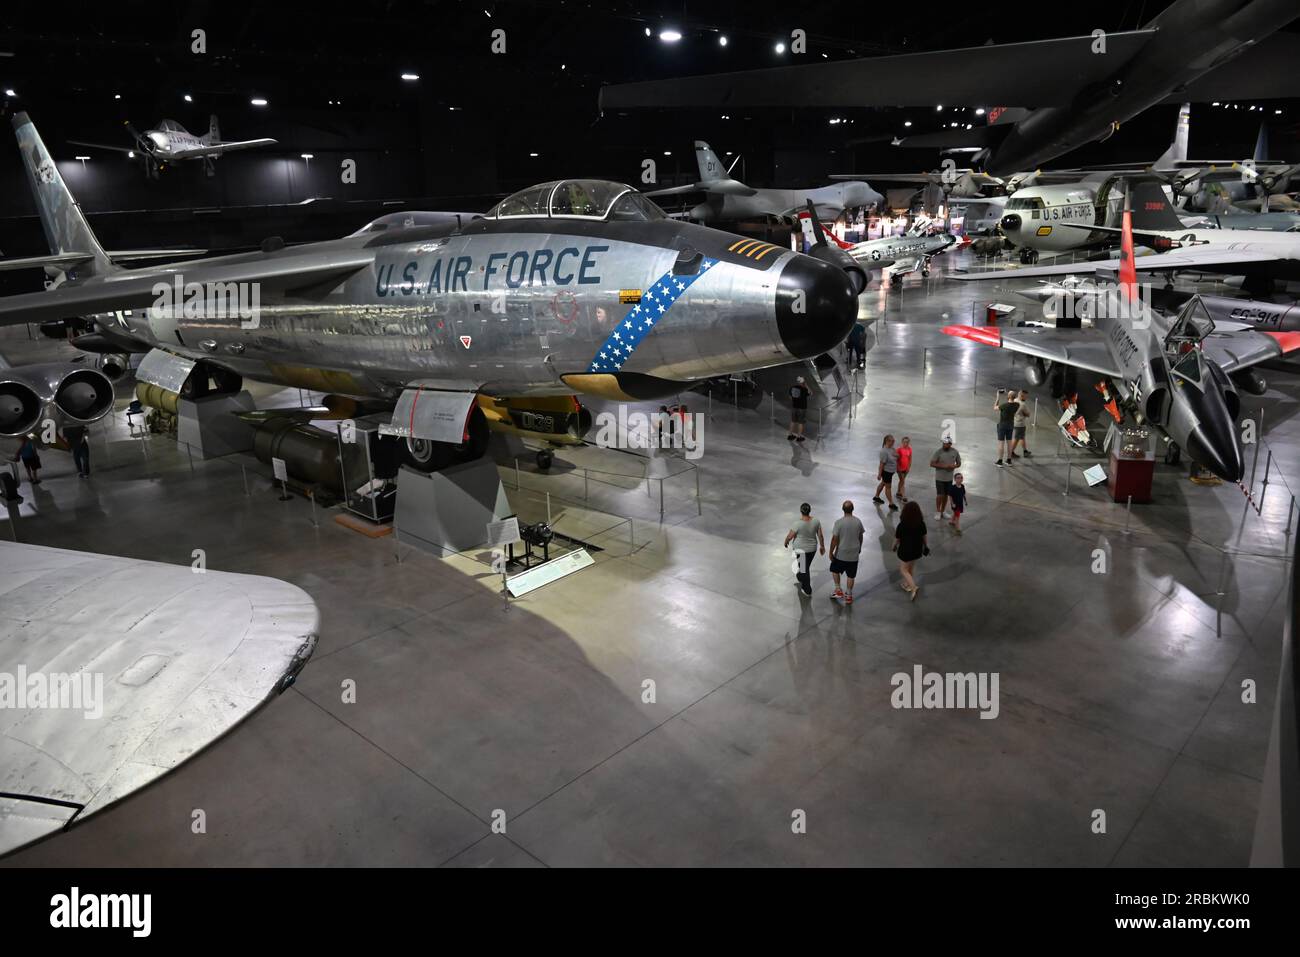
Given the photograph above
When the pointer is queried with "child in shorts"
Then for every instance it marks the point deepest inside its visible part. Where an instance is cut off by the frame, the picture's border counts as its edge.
(957, 495)
(904, 465)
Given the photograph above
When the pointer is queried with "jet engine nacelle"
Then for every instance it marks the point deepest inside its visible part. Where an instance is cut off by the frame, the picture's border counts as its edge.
(63, 392)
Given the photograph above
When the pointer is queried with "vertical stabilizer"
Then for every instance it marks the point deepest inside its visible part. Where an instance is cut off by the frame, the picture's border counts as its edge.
(65, 225)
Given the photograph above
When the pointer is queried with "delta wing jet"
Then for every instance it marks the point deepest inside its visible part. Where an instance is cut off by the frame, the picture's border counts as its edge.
(564, 288)
(728, 199)
(1174, 374)
(169, 142)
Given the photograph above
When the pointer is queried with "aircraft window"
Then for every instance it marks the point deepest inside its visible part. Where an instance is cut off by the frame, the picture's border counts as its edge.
(632, 207)
(527, 202)
(1189, 366)
(588, 198)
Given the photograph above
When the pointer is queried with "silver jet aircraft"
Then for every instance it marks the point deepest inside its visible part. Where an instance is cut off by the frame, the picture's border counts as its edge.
(169, 142)
(727, 199)
(1170, 373)
(894, 255)
(571, 287)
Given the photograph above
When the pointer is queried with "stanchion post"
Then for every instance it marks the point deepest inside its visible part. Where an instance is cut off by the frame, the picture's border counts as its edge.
(1289, 509)
(1068, 466)
(516, 473)
(1268, 464)
(311, 494)
(244, 472)
(548, 508)
(1035, 411)
(586, 485)
(397, 542)
(699, 506)
(1128, 513)
(190, 452)
(661, 500)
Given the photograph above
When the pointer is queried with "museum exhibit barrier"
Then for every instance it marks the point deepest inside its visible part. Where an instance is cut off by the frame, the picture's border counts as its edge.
(679, 473)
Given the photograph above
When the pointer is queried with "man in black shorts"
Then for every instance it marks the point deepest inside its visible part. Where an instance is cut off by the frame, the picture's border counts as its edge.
(798, 409)
(846, 546)
(945, 462)
(1005, 405)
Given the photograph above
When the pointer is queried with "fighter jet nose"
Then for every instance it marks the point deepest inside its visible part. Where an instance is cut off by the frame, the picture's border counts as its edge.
(816, 306)
(1218, 453)
(1011, 221)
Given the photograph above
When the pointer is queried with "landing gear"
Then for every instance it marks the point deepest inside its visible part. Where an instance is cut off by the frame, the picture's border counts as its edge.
(1173, 454)
(545, 459)
(1028, 256)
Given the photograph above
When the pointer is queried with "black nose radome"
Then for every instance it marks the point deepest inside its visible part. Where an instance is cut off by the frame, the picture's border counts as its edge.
(1011, 221)
(816, 306)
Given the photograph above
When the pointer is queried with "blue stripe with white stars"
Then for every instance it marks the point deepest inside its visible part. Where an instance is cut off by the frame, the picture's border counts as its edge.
(643, 317)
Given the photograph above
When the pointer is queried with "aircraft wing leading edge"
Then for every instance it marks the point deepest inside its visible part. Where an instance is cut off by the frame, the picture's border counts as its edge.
(1048, 72)
(1081, 348)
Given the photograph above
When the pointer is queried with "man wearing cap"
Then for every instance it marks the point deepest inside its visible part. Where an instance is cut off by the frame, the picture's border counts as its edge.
(945, 461)
(798, 409)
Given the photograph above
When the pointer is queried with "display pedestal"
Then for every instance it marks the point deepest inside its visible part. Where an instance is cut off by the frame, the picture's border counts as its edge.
(209, 427)
(449, 511)
(1132, 464)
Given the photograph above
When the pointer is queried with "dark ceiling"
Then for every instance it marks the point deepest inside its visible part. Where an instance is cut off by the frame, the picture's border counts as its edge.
(465, 130)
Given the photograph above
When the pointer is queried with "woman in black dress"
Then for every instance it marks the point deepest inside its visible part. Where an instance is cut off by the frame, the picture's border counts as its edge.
(909, 542)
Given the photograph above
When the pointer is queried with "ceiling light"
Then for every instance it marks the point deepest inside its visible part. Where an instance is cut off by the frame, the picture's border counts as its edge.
(10, 93)
(647, 31)
(117, 96)
(532, 154)
(780, 48)
(410, 77)
(257, 101)
(82, 158)
(308, 156)
(939, 108)
(188, 98)
(722, 41)
(670, 36)
(979, 111)
(668, 152)
(130, 154)
(907, 122)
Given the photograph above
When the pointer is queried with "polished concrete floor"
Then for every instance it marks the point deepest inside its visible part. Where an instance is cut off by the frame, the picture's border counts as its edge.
(484, 734)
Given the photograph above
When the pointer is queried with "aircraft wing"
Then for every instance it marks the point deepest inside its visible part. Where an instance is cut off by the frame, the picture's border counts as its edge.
(1081, 348)
(150, 663)
(216, 149)
(1217, 260)
(275, 274)
(725, 187)
(1264, 70)
(1035, 73)
(67, 260)
(105, 146)
(1238, 349)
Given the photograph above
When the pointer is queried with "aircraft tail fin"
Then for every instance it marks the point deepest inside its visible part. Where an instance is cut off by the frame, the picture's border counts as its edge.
(1127, 267)
(214, 131)
(1177, 152)
(1150, 206)
(1261, 143)
(64, 224)
(711, 168)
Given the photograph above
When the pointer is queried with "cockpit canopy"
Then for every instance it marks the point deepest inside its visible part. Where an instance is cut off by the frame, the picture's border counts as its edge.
(170, 126)
(594, 199)
(1183, 343)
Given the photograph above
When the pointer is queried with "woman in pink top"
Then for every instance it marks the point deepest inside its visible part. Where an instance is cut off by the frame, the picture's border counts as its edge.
(904, 466)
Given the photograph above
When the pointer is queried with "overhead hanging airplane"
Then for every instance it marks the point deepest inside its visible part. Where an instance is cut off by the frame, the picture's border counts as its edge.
(169, 142)
(1048, 97)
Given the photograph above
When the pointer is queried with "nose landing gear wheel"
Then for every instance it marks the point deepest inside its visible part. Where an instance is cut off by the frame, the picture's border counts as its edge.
(420, 453)
(545, 458)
